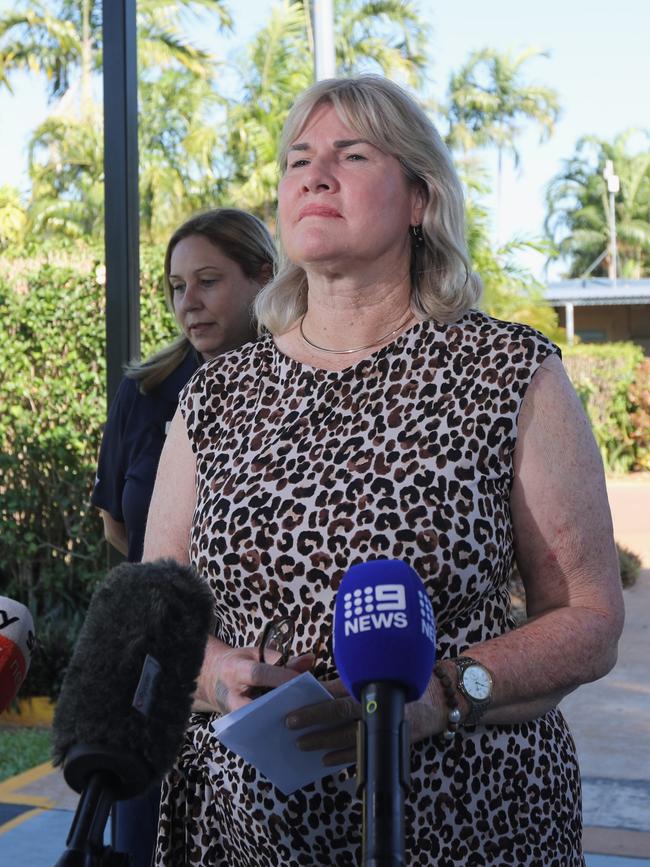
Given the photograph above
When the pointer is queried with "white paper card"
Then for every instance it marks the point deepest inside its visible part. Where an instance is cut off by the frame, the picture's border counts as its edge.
(258, 733)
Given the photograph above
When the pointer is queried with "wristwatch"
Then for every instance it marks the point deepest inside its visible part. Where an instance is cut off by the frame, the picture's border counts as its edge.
(475, 683)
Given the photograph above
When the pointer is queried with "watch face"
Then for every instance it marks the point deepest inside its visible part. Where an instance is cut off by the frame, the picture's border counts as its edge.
(477, 682)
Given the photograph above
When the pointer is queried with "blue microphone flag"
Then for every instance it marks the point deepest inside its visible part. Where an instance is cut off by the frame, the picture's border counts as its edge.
(384, 628)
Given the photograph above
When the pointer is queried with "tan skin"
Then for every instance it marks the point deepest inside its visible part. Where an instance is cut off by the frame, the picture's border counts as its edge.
(359, 289)
(212, 297)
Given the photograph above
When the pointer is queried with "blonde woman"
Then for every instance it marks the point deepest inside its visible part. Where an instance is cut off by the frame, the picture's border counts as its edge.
(386, 417)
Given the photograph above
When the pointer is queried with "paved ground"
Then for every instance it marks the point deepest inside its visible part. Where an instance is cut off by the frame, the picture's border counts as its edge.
(610, 721)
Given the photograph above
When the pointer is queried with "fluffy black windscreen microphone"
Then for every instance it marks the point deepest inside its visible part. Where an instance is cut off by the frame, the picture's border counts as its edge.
(127, 693)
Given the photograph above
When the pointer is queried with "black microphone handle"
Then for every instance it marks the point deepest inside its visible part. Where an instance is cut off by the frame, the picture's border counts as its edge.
(383, 772)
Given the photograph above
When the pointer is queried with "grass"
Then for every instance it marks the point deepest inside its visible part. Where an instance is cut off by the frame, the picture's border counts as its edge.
(22, 749)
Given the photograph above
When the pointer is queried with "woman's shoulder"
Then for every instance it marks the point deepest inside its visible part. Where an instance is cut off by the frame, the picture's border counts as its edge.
(221, 382)
(503, 335)
(237, 364)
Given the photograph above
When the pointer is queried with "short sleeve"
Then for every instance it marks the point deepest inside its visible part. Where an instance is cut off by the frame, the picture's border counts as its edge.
(113, 457)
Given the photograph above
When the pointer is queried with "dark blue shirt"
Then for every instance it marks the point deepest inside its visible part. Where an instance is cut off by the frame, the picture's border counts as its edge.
(133, 440)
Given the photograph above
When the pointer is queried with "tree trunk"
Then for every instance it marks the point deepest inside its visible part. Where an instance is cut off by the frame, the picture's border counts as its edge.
(497, 217)
(86, 61)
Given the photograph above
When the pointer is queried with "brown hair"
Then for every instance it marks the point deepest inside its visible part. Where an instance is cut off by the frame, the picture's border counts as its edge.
(239, 235)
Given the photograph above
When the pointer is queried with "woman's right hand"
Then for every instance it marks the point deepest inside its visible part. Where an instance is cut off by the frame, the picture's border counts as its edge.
(232, 676)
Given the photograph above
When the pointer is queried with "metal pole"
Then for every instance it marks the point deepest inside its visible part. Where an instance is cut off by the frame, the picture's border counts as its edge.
(612, 235)
(324, 51)
(568, 322)
(613, 186)
(121, 204)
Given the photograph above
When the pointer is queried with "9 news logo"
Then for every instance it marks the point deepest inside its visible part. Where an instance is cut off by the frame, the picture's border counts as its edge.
(381, 606)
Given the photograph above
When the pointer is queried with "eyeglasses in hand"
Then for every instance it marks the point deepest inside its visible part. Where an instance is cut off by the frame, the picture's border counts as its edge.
(275, 645)
(277, 638)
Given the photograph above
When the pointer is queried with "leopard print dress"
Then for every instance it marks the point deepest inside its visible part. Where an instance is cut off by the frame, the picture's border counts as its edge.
(303, 472)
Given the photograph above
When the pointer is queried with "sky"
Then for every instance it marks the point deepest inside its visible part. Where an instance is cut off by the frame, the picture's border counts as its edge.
(599, 64)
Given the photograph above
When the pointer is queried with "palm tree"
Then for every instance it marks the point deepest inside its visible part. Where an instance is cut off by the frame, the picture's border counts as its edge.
(62, 39)
(36, 38)
(383, 36)
(66, 169)
(386, 36)
(509, 290)
(177, 173)
(490, 102)
(12, 217)
(577, 204)
(278, 67)
(180, 143)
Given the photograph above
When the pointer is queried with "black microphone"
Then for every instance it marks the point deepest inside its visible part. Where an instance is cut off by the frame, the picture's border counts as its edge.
(127, 693)
(384, 648)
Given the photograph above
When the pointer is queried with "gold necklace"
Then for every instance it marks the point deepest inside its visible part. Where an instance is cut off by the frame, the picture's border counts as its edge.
(350, 351)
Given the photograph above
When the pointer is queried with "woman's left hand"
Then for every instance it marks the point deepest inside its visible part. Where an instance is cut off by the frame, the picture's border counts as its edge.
(339, 720)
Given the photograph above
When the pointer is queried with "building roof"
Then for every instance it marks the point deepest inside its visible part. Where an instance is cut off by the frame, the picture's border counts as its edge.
(597, 292)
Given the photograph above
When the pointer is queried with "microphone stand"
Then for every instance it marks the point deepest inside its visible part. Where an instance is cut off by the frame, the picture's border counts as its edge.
(86, 837)
(102, 775)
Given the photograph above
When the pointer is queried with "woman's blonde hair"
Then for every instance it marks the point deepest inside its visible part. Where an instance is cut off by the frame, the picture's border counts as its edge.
(241, 237)
(443, 285)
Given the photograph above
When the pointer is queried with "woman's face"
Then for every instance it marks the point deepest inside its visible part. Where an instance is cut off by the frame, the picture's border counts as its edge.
(212, 296)
(342, 201)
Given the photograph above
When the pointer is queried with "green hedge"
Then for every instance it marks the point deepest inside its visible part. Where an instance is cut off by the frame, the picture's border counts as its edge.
(640, 417)
(52, 333)
(52, 391)
(603, 374)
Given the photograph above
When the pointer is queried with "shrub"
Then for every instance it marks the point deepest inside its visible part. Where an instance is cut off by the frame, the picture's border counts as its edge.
(53, 393)
(602, 376)
(640, 417)
(630, 565)
(53, 345)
